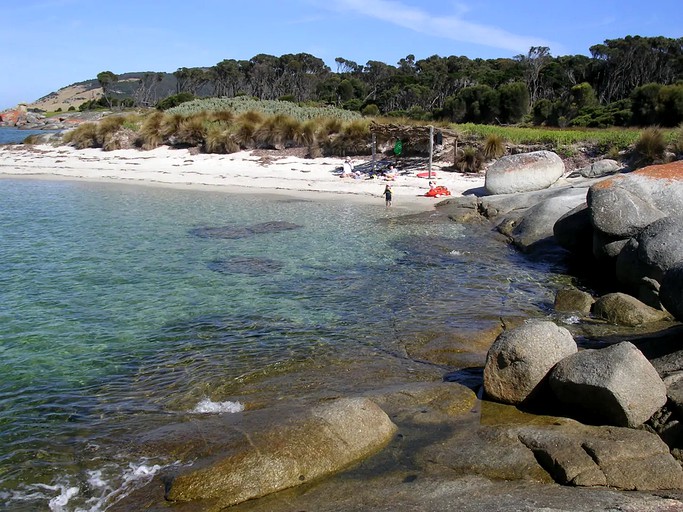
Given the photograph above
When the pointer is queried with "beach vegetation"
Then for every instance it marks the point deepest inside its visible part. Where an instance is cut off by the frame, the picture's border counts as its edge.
(494, 146)
(650, 146)
(468, 160)
(251, 116)
(676, 141)
(83, 136)
(175, 100)
(150, 134)
(219, 140)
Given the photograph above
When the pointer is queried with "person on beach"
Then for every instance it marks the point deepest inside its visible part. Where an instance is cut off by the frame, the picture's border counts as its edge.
(387, 195)
(347, 168)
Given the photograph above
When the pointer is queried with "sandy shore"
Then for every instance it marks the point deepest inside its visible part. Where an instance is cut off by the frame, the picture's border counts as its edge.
(237, 172)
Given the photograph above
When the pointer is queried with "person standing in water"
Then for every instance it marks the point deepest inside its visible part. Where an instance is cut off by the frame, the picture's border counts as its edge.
(387, 195)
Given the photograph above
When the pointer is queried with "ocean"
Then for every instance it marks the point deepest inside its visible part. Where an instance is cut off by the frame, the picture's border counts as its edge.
(125, 308)
(16, 136)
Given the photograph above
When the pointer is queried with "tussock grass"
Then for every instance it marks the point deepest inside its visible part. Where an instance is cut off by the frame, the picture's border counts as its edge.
(494, 147)
(650, 146)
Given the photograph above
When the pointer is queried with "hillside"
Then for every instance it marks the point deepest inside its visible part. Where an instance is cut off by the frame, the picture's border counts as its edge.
(75, 94)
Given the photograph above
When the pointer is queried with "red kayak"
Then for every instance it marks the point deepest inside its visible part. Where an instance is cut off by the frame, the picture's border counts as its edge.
(426, 175)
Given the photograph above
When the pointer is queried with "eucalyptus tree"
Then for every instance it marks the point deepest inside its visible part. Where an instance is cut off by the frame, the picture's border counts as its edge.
(227, 77)
(191, 80)
(623, 64)
(106, 80)
(534, 61)
(146, 93)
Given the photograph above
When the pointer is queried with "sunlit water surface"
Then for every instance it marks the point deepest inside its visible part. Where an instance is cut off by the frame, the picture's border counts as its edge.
(120, 312)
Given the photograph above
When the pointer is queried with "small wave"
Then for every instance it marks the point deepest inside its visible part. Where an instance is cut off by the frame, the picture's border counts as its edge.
(455, 253)
(206, 406)
(104, 487)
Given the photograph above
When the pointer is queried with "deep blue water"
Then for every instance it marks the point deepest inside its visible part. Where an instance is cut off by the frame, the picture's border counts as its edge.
(16, 136)
(119, 312)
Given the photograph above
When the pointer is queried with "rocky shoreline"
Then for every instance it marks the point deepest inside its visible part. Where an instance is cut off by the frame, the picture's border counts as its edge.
(585, 416)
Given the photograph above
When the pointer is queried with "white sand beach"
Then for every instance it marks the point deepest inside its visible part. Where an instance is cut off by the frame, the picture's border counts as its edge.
(244, 171)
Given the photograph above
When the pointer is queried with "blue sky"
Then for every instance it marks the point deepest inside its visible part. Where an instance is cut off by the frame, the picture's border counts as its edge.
(49, 44)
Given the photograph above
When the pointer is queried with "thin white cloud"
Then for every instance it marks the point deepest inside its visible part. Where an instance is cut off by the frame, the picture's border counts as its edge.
(453, 27)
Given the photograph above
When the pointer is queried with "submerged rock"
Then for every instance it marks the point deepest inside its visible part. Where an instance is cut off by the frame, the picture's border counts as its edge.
(235, 232)
(246, 265)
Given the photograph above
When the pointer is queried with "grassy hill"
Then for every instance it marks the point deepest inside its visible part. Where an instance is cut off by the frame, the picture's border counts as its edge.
(75, 94)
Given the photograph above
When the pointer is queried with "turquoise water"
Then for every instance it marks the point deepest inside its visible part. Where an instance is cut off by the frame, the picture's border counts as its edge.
(117, 317)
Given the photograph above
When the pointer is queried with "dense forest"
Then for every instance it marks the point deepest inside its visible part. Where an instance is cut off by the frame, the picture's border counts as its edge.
(632, 81)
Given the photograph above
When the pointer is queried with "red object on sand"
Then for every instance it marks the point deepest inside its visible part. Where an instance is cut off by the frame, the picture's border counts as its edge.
(426, 175)
(438, 192)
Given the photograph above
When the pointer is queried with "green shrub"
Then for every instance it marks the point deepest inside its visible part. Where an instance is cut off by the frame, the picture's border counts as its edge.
(174, 101)
(370, 110)
(676, 138)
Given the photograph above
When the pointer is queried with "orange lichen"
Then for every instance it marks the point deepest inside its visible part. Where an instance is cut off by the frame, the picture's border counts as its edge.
(670, 171)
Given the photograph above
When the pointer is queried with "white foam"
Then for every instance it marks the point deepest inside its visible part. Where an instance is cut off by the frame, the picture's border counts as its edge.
(206, 406)
(571, 319)
(104, 487)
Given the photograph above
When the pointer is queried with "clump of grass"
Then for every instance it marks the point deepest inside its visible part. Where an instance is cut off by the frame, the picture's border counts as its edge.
(650, 146)
(150, 134)
(245, 133)
(219, 140)
(82, 137)
(251, 116)
(493, 146)
(468, 160)
(191, 131)
(353, 139)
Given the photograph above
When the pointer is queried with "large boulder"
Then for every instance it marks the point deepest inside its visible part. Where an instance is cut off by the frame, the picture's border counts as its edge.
(648, 255)
(523, 172)
(671, 291)
(322, 441)
(622, 309)
(574, 231)
(519, 360)
(616, 385)
(621, 206)
(534, 227)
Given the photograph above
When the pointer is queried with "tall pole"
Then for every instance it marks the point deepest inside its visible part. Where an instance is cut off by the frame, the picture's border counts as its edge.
(431, 150)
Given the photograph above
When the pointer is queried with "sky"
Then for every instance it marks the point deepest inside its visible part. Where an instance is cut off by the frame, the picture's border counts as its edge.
(50, 44)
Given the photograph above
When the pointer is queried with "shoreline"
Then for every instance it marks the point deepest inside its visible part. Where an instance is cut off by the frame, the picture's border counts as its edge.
(241, 172)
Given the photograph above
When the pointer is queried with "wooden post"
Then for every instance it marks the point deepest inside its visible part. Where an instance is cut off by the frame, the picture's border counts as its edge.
(431, 150)
(374, 145)
(455, 152)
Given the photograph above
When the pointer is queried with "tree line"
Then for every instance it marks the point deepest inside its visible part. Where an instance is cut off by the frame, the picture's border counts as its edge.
(631, 81)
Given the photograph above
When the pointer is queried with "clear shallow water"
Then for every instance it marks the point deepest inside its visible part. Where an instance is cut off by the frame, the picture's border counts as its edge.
(116, 318)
